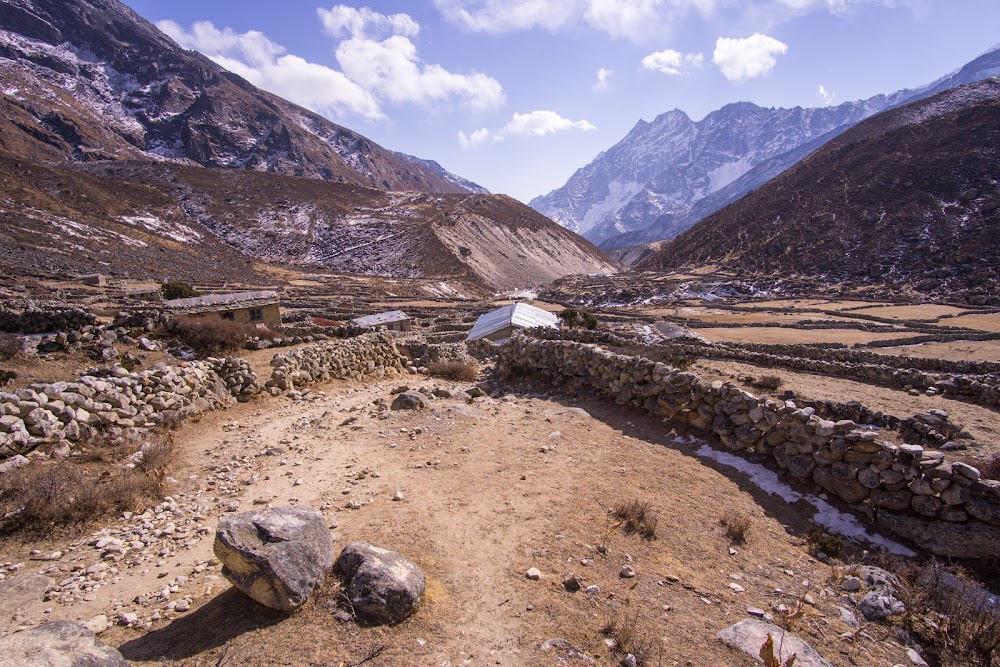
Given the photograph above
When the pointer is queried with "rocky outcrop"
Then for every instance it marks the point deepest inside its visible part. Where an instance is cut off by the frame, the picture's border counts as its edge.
(750, 635)
(849, 462)
(278, 556)
(58, 644)
(382, 586)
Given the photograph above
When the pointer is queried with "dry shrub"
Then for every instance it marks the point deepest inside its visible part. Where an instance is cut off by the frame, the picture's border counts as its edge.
(820, 541)
(990, 468)
(10, 346)
(767, 382)
(7, 376)
(44, 495)
(623, 627)
(737, 525)
(211, 336)
(637, 517)
(459, 371)
(325, 322)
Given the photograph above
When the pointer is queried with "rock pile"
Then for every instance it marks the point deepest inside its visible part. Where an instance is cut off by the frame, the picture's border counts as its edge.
(68, 411)
(849, 462)
(321, 362)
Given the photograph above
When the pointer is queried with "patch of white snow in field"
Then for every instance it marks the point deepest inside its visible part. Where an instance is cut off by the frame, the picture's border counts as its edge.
(176, 231)
(826, 515)
(725, 174)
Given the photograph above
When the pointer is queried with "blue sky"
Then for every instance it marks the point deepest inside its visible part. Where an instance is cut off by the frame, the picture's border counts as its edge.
(518, 94)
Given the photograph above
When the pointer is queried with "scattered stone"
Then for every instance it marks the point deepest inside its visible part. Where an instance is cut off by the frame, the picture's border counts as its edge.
(627, 572)
(409, 400)
(382, 586)
(533, 573)
(56, 644)
(277, 556)
(915, 658)
(852, 584)
(572, 583)
(750, 634)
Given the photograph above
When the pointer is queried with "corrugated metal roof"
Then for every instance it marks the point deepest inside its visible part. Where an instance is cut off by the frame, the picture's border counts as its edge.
(381, 318)
(519, 315)
(220, 301)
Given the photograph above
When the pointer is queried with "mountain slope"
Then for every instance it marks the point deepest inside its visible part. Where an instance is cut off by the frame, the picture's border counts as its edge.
(909, 198)
(666, 175)
(91, 79)
(155, 220)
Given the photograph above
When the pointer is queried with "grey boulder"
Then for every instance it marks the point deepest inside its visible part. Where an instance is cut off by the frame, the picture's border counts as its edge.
(382, 586)
(409, 400)
(749, 636)
(57, 644)
(277, 556)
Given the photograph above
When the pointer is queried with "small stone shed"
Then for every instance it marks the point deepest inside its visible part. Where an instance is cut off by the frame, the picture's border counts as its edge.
(394, 320)
(500, 324)
(258, 307)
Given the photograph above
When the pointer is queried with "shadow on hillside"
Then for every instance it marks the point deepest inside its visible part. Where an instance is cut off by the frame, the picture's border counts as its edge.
(225, 617)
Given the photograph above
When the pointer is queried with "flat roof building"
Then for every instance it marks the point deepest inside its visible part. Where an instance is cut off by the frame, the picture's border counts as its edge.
(260, 306)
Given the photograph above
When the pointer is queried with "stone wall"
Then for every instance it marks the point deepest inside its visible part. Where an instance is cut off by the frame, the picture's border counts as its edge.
(45, 320)
(849, 462)
(60, 413)
(346, 359)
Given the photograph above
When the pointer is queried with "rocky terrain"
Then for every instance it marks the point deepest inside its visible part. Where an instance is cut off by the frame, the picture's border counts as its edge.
(666, 175)
(85, 80)
(907, 199)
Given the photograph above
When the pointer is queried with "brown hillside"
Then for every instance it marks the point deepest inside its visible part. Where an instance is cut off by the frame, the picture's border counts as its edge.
(908, 198)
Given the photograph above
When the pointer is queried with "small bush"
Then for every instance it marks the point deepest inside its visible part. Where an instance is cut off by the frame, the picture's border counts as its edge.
(10, 346)
(737, 525)
(177, 289)
(7, 376)
(324, 322)
(637, 517)
(53, 494)
(459, 371)
(768, 382)
(990, 468)
(821, 541)
(211, 336)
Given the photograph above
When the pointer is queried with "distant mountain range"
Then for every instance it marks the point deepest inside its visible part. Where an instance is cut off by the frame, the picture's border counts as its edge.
(122, 153)
(92, 80)
(908, 199)
(666, 175)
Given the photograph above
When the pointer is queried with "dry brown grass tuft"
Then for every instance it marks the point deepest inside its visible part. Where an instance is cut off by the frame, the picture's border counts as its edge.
(459, 371)
(737, 525)
(623, 627)
(211, 336)
(637, 517)
(44, 495)
(767, 382)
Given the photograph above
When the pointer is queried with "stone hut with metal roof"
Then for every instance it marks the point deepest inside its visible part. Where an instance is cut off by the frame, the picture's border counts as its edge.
(393, 320)
(257, 307)
(500, 324)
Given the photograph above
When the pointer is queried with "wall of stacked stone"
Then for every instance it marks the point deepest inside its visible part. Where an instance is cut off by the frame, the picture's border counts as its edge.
(351, 358)
(57, 412)
(45, 320)
(420, 352)
(851, 463)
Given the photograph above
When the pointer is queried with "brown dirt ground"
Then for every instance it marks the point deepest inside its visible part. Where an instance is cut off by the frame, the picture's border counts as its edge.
(483, 503)
(921, 312)
(717, 315)
(810, 303)
(962, 350)
(783, 335)
(990, 322)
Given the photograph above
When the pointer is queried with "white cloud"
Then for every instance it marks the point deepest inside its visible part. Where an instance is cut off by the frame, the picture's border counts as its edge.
(267, 65)
(747, 58)
(536, 123)
(603, 78)
(343, 21)
(629, 19)
(672, 62)
(825, 95)
(840, 7)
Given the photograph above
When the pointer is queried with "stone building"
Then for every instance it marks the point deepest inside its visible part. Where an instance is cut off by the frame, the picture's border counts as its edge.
(258, 307)
(394, 320)
(500, 324)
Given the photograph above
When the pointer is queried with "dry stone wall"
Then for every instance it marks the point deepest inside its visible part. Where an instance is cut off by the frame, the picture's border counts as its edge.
(60, 413)
(845, 460)
(346, 359)
(34, 320)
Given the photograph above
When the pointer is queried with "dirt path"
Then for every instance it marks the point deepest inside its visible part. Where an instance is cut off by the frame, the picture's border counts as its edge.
(490, 488)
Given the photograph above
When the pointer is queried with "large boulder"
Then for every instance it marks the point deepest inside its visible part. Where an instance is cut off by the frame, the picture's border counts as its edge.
(277, 556)
(21, 593)
(382, 586)
(749, 636)
(58, 644)
(409, 400)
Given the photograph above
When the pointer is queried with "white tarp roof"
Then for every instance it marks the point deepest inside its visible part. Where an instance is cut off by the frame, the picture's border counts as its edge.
(519, 315)
(381, 318)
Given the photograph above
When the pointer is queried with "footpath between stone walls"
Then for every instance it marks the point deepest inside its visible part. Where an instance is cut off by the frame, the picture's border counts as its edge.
(944, 508)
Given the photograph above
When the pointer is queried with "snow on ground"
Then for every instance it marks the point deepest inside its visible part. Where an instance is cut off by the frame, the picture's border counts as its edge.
(826, 515)
(176, 231)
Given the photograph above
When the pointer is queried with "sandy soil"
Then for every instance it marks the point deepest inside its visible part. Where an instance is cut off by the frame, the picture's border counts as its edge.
(809, 303)
(963, 350)
(727, 316)
(922, 312)
(490, 489)
(990, 322)
(785, 336)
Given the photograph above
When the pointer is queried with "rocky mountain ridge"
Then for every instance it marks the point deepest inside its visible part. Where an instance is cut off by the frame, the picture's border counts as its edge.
(92, 80)
(667, 174)
(909, 198)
